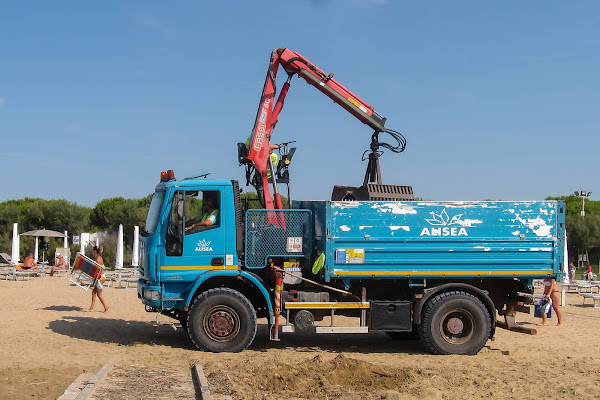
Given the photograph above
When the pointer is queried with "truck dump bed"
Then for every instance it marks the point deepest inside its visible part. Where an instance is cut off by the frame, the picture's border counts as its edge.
(440, 239)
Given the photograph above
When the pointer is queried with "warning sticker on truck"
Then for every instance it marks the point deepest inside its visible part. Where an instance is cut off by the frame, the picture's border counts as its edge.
(294, 244)
(350, 256)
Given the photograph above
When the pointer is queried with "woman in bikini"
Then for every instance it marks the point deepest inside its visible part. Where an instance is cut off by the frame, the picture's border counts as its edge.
(551, 291)
(98, 287)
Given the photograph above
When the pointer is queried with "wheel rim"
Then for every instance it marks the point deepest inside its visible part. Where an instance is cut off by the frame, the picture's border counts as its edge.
(222, 323)
(457, 326)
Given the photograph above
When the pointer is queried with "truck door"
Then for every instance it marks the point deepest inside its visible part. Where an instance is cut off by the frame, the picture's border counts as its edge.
(195, 237)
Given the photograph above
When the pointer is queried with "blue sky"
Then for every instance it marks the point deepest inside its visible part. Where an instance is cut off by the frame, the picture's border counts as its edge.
(497, 100)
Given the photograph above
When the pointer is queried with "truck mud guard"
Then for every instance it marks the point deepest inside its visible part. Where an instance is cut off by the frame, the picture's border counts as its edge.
(232, 273)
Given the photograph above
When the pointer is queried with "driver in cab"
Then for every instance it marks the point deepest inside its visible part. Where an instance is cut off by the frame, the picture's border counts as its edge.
(208, 218)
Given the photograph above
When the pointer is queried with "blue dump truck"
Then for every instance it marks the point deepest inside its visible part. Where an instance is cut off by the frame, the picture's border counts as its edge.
(442, 270)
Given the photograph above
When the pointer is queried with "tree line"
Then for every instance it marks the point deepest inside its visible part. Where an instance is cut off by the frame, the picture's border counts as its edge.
(106, 215)
(62, 215)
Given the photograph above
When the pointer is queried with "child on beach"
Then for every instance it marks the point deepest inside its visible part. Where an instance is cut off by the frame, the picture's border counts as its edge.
(98, 287)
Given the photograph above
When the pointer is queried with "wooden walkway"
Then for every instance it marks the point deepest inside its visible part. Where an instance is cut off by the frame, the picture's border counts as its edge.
(140, 382)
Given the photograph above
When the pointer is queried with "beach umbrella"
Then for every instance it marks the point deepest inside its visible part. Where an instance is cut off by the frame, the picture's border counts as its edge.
(15, 246)
(119, 258)
(135, 255)
(65, 241)
(81, 244)
(43, 232)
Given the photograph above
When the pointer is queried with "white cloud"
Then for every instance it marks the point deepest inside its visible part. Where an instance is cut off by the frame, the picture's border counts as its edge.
(3, 101)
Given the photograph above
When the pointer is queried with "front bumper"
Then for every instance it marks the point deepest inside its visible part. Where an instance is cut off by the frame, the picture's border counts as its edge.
(150, 295)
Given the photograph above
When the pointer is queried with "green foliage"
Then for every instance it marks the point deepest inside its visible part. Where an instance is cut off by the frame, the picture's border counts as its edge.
(583, 232)
(251, 198)
(30, 214)
(109, 213)
(573, 205)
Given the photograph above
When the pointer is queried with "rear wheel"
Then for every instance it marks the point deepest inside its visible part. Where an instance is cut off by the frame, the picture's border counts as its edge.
(454, 323)
(221, 320)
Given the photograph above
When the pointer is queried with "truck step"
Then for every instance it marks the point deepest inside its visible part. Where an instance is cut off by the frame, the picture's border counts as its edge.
(342, 329)
(329, 329)
(306, 305)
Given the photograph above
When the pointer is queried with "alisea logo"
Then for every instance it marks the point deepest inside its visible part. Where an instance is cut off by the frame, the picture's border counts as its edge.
(442, 223)
(203, 245)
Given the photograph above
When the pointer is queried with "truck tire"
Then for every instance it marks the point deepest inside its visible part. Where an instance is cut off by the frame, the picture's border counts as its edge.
(221, 320)
(454, 323)
(183, 320)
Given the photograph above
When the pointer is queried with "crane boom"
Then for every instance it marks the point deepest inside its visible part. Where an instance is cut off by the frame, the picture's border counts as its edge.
(268, 112)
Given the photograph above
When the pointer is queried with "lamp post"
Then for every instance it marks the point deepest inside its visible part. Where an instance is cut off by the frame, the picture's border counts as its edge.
(583, 194)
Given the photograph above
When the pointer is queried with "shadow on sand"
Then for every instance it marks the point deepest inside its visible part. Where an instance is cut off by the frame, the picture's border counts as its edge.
(121, 332)
(128, 333)
(61, 308)
(374, 342)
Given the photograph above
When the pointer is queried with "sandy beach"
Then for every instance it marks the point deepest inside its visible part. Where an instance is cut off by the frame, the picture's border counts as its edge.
(48, 341)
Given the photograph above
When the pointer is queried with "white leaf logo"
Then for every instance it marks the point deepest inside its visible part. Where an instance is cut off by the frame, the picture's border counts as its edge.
(443, 219)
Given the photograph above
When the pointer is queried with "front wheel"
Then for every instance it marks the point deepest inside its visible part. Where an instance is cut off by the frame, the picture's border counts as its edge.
(221, 320)
(454, 323)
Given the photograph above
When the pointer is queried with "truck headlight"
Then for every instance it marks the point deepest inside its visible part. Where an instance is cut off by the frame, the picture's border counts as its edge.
(151, 295)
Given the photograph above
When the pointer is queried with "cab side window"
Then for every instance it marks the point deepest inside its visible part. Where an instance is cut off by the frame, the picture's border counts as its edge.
(202, 211)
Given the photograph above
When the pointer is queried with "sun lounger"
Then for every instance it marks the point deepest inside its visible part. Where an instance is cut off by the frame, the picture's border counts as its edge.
(5, 274)
(24, 274)
(15, 272)
(594, 296)
(127, 276)
(6, 258)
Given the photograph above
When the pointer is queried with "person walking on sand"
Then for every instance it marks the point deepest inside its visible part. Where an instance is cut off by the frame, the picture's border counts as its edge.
(98, 286)
(551, 292)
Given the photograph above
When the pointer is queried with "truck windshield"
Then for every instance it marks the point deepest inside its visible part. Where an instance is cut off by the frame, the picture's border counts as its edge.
(154, 212)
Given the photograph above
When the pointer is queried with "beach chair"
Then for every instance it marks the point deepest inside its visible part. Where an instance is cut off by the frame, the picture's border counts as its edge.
(5, 268)
(17, 272)
(85, 272)
(7, 258)
(5, 274)
(66, 253)
(594, 296)
(24, 274)
(128, 276)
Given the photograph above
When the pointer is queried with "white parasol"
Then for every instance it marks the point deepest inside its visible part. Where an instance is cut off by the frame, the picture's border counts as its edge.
(15, 246)
(135, 256)
(119, 257)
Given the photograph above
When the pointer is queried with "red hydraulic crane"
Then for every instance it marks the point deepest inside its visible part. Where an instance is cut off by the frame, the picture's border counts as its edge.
(258, 149)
